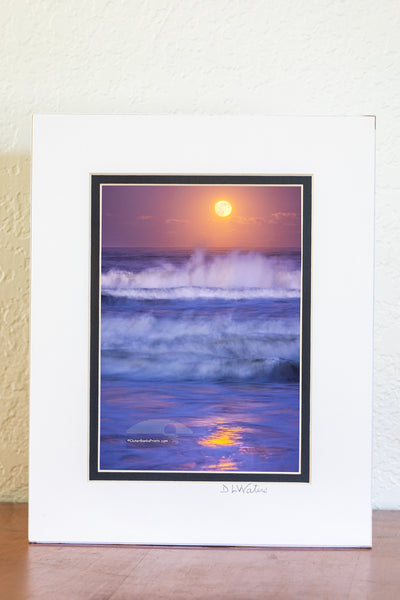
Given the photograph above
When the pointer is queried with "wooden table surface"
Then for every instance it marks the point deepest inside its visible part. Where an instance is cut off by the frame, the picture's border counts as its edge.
(127, 572)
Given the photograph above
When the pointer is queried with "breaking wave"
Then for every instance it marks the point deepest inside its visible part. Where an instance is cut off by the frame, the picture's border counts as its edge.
(203, 348)
(236, 275)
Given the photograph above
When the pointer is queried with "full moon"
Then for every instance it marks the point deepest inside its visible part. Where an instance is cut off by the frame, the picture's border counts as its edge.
(223, 208)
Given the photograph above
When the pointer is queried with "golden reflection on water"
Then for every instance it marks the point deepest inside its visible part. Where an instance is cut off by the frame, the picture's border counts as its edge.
(225, 464)
(223, 436)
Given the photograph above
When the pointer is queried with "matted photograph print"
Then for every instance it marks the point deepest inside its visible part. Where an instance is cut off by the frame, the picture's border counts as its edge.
(200, 328)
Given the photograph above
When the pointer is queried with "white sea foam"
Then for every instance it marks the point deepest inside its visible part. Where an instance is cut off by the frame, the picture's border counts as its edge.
(183, 341)
(218, 346)
(123, 331)
(236, 275)
(191, 293)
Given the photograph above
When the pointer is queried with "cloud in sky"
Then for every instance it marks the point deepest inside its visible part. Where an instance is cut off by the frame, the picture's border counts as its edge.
(144, 217)
(177, 221)
(248, 220)
(284, 218)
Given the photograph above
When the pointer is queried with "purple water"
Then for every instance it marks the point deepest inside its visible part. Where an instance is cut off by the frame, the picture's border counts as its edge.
(200, 361)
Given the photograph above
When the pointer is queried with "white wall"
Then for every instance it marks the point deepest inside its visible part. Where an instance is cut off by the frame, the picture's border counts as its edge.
(206, 56)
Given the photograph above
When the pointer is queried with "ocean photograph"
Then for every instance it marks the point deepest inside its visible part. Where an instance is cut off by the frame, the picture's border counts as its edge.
(200, 329)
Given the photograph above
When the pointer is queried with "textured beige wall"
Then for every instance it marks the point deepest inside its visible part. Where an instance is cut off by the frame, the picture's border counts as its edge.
(14, 325)
(196, 56)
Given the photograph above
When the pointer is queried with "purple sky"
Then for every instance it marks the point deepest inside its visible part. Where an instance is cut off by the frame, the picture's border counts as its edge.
(183, 216)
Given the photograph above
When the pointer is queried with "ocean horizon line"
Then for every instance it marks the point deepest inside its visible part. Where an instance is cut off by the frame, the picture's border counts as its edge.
(205, 248)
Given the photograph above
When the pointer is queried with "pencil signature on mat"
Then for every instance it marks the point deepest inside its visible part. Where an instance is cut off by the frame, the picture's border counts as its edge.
(243, 488)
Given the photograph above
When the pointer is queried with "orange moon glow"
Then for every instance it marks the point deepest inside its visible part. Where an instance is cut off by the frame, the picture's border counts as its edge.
(223, 208)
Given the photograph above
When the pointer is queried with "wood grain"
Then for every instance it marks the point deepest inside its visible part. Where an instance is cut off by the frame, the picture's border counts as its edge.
(50, 572)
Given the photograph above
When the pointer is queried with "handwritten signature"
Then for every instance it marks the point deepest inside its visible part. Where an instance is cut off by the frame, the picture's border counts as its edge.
(243, 488)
